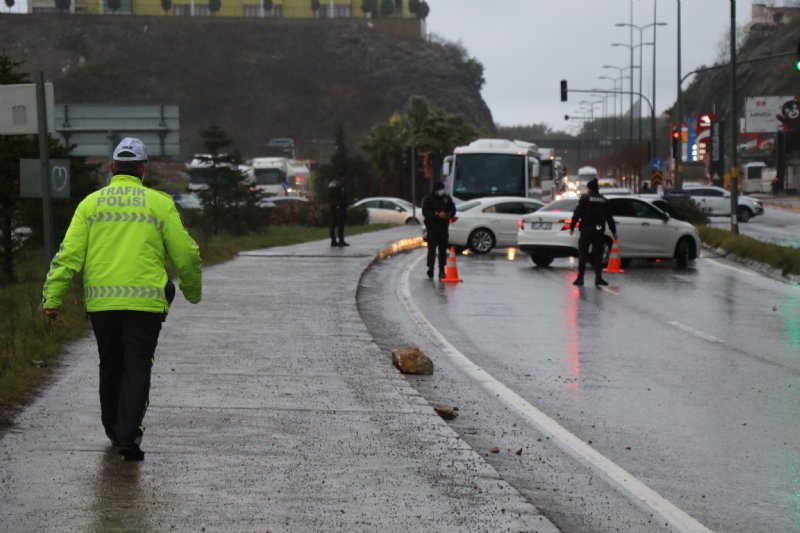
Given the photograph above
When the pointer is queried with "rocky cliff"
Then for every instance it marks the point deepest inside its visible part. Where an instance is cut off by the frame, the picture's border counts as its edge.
(256, 78)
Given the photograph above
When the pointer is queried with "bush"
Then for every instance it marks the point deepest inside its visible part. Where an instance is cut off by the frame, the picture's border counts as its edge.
(690, 211)
(787, 260)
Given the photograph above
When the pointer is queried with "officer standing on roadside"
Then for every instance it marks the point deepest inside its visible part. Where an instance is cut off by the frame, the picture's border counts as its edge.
(437, 208)
(337, 202)
(593, 213)
(120, 236)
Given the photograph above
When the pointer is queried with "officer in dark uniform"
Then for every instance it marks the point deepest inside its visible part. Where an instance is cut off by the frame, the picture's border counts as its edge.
(437, 208)
(593, 214)
(337, 202)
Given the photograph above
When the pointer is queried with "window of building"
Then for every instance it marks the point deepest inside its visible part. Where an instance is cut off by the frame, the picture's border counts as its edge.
(182, 10)
(202, 10)
(341, 11)
(252, 11)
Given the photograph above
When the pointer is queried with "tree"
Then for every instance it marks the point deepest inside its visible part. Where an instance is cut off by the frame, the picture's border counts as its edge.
(267, 5)
(387, 8)
(428, 129)
(214, 6)
(413, 6)
(424, 10)
(114, 5)
(166, 5)
(369, 7)
(474, 70)
(315, 5)
(16, 212)
(63, 5)
(10, 4)
(358, 174)
(228, 203)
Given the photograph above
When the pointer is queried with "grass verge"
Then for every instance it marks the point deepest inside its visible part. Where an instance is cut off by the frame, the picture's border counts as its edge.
(30, 345)
(783, 258)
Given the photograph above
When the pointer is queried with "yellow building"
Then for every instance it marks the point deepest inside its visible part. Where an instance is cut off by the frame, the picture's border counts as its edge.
(228, 8)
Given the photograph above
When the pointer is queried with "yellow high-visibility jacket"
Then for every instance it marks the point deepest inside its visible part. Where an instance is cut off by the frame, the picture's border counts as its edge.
(120, 236)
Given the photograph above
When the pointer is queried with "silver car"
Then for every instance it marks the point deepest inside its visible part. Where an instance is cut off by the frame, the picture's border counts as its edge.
(644, 232)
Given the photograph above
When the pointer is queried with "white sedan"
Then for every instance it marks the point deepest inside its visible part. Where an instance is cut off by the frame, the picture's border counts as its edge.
(387, 210)
(485, 223)
(644, 231)
(717, 201)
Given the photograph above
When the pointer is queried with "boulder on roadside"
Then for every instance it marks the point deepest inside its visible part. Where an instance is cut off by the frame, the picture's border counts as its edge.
(447, 413)
(412, 360)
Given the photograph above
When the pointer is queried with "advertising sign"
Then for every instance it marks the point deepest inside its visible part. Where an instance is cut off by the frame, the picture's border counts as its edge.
(768, 114)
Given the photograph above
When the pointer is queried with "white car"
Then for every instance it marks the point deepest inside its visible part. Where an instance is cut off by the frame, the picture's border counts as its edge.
(718, 201)
(644, 231)
(485, 223)
(387, 210)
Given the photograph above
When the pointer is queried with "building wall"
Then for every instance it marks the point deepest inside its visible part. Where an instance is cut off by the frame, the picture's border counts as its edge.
(229, 8)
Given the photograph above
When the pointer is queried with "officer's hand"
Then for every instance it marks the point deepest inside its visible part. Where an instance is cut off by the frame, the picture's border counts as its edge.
(52, 314)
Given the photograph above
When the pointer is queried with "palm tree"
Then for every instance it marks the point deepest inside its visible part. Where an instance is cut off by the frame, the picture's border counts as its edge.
(166, 5)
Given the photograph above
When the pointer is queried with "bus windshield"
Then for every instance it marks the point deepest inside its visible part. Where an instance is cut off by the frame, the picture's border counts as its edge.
(478, 175)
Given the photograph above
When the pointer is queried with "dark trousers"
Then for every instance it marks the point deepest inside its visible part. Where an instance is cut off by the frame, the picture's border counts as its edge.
(437, 245)
(590, 243)
(337, 223)
(127, 343)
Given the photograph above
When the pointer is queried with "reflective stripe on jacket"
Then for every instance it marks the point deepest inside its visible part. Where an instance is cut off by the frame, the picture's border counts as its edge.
(121, 236)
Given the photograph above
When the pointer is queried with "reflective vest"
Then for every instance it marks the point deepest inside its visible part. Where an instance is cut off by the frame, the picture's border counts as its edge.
(121, 235)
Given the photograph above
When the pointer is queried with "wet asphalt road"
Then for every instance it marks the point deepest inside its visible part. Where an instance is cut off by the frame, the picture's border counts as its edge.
(777, 226)
(686, 379)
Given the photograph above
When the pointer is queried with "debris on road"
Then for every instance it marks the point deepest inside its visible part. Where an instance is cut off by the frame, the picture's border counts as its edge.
(412, 360)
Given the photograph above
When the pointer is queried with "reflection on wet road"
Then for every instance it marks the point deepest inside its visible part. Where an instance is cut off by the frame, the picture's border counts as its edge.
(688, 379)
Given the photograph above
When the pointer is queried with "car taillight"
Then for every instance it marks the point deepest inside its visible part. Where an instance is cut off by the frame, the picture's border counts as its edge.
(453, 219)
(568, 223)
(521, 224)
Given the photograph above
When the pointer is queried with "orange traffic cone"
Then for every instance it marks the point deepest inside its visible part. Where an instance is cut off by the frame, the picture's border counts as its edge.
(614, 264)
(451, 273)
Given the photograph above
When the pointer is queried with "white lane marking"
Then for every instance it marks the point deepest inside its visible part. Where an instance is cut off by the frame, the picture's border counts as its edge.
(696, 332)
(731, 267)
(573, 445)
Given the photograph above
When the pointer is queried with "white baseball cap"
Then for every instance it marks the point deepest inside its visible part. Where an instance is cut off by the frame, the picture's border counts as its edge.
(130, 149)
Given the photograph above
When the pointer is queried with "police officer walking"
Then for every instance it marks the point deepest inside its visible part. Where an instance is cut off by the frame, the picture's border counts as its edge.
(593, 213)
(437, 208)
(120, 236)
(337, 202)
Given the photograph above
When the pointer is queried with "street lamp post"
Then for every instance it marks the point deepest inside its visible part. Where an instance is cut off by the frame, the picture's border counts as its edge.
(641, 29)
(620, 70)
(679, 113)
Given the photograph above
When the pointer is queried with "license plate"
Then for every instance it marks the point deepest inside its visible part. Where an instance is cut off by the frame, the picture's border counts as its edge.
(541, 225)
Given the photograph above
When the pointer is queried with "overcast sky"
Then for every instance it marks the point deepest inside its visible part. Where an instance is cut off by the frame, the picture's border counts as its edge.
(528, 46)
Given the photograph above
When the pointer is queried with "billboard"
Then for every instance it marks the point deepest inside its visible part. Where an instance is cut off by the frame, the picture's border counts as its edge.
(768, 114)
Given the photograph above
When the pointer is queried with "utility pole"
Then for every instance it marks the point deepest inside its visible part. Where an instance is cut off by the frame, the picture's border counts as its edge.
(679, 113)
(734, 128)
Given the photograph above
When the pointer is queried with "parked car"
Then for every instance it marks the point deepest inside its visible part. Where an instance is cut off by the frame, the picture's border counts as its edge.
(644, 231)
(279, 201)
(718, 201)
(387, 210)
(485, 223)
(189, 200)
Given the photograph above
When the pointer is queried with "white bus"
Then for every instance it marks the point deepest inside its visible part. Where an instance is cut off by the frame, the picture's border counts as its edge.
(493, 167)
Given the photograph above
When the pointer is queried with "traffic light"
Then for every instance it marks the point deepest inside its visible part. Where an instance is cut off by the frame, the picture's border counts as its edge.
(676, 143)
(564, 90)
(797, 63)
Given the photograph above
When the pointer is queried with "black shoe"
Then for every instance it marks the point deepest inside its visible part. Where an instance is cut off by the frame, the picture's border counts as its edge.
(430, 273)
(342, 243)
(578, 282)
(442, 275)
(132, 452)
(334, 243)
(599, 282)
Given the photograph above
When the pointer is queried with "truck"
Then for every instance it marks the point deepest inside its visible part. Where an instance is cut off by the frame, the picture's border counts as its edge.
(551, 173)
(279, 176)
(493, 167)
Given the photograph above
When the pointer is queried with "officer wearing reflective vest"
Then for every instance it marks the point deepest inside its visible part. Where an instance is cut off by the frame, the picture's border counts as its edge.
(592, 212)
(121, 236)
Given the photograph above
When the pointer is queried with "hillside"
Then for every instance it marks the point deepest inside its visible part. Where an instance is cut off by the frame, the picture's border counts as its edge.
(256, 78)
(710, 91)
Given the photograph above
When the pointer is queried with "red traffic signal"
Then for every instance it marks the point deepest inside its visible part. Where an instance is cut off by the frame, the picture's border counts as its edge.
(676, 134)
